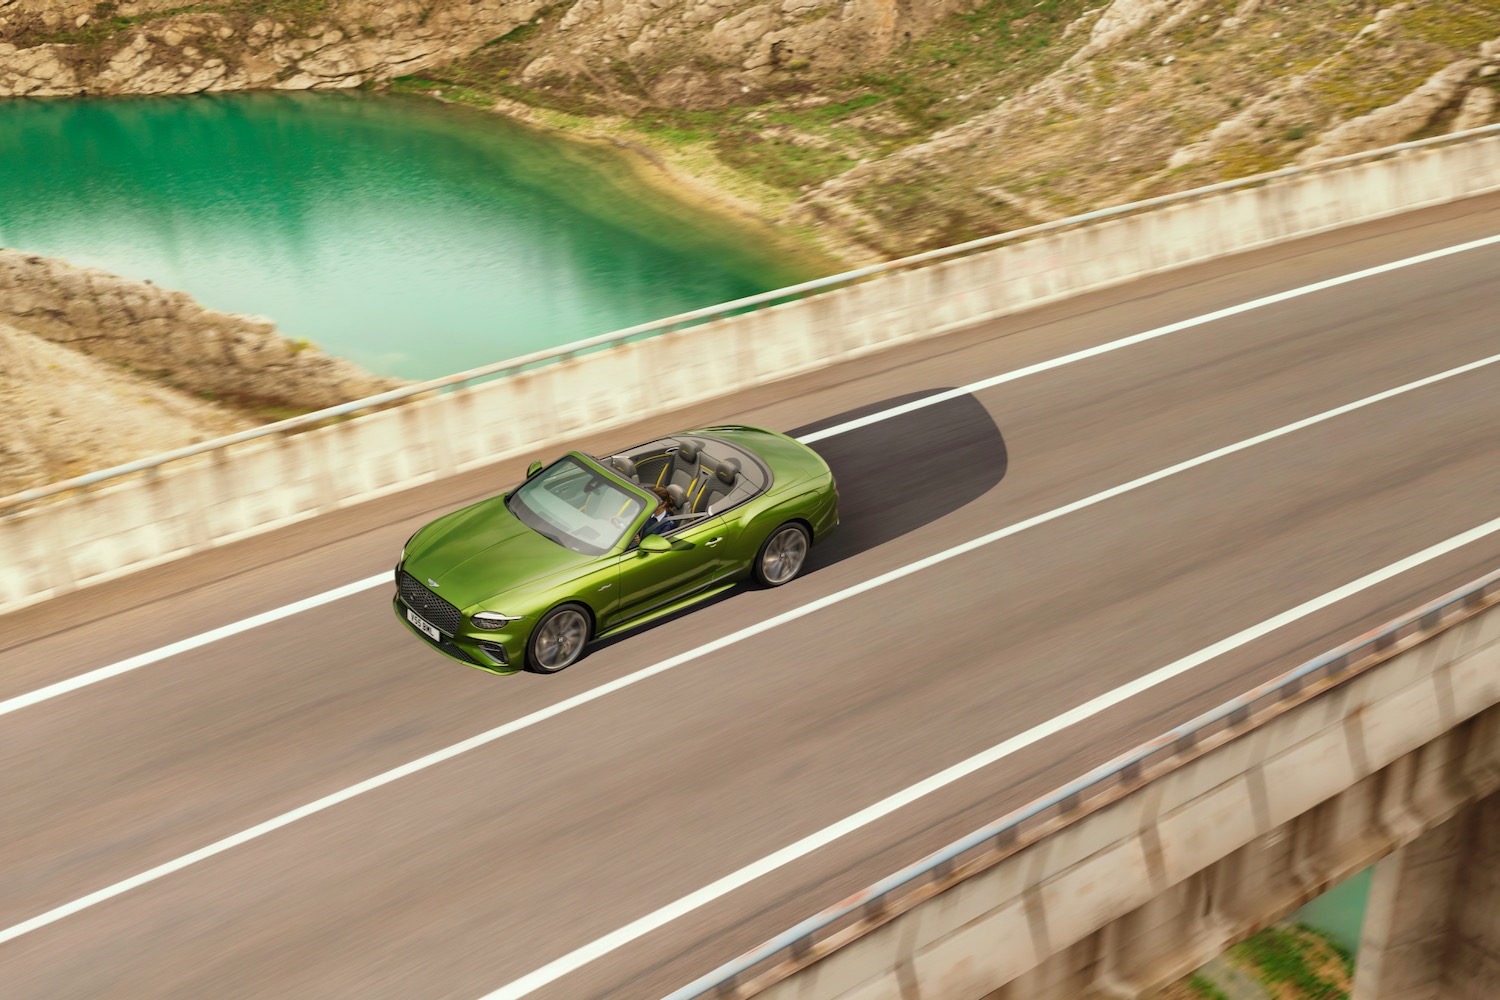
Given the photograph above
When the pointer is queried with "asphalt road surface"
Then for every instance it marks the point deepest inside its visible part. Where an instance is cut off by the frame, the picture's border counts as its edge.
(523, 863)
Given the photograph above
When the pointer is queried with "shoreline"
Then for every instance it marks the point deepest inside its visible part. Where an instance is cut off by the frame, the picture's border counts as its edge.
(668, 179)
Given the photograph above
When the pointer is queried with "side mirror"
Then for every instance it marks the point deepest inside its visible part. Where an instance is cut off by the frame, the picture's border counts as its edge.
(655, 543)
(533, 469)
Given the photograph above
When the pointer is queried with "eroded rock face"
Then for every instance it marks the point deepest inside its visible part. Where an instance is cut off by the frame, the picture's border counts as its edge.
(698, 53)
(1123, 96)
(1395, 122)
(52, 48)
(36, 72)
(1478, 109)
(1125, 19)
(169, 335)
(695, 51)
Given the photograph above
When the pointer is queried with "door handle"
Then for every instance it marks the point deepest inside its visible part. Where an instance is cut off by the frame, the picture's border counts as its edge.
(713, 541)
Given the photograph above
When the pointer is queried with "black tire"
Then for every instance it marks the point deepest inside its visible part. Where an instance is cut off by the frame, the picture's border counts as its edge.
(559, 639)
(782, 555)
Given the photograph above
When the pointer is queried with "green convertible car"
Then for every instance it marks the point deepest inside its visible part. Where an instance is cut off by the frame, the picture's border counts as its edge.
(583, 548)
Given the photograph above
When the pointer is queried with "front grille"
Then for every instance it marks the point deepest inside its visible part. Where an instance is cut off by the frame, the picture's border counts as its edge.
(444, 644)
(427, 604)
(456, 653)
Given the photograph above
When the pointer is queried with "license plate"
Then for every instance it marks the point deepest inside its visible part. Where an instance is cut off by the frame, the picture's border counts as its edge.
(427, 628)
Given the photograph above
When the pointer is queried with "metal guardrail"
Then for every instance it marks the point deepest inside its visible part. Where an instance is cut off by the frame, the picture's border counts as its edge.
(882, 902)
(15, 502)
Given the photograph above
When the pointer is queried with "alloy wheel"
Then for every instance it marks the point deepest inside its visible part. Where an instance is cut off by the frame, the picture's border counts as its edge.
(560, 639)
(783, 555)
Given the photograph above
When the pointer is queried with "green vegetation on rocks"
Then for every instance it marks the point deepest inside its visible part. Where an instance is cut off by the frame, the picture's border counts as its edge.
(988, 115)
(1282, 962)
(1297, 960)
(105, 23)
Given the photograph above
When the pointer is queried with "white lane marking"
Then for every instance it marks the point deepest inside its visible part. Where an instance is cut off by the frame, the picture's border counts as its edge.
(145, 659)
(619, 683)
(186, 645)
(1139, 338)
(579, 957)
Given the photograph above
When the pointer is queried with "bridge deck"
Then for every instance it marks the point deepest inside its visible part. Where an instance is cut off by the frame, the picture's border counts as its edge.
(460, 879)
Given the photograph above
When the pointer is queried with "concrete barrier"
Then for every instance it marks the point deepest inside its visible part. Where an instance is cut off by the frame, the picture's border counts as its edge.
(107, 524)
(1135, 876)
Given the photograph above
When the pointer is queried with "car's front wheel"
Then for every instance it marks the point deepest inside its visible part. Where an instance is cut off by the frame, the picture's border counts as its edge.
(782, 555)
(558, 639)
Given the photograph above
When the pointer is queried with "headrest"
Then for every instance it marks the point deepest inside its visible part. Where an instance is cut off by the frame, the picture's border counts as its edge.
(727, 470)
(625, 466)
(688, 449)
(678, 495)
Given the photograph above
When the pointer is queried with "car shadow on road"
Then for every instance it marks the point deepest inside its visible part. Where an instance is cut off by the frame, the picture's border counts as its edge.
(894, 476)
(898, 475)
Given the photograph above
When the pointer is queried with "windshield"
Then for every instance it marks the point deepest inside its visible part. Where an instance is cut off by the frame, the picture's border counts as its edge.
(576, 507)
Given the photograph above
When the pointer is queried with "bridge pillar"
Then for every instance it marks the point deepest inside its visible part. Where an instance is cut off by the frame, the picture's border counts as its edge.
(1432, 927)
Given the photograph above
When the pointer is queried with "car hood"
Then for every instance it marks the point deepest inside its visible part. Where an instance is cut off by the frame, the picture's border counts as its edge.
(480, 551)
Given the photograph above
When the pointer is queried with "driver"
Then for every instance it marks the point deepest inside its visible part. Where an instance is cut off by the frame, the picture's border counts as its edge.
(661, 518)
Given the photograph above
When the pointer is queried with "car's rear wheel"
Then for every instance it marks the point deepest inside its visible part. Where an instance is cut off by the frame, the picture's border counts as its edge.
(558, 639)
(782, 555)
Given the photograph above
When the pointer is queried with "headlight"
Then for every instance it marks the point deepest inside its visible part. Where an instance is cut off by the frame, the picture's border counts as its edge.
(493, 620)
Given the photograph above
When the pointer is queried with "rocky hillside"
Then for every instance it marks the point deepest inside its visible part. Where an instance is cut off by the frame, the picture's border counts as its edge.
(878, 126)
(908, 126)
(96, 370)
(58, 48)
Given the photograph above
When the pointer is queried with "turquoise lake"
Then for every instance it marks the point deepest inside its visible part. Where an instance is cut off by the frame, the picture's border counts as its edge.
(1340, 911)
(415, 238)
